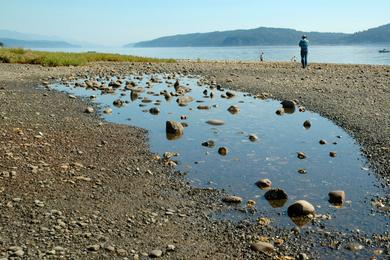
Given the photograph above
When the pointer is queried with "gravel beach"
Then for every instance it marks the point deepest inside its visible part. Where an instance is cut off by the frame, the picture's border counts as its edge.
(75, 187)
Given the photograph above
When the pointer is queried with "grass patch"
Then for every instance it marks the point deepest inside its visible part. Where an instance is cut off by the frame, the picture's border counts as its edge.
(53, 59)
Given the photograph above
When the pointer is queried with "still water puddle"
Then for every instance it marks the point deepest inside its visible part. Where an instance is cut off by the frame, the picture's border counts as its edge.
(273, 155)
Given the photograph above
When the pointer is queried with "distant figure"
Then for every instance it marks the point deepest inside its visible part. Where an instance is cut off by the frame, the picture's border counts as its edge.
(304, 44)
(294, 59)
(262, 56)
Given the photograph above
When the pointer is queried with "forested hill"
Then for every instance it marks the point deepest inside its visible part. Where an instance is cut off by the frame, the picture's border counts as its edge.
(267, 36)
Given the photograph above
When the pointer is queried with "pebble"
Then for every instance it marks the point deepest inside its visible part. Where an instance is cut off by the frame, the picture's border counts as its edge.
(302, 171)
(263, 247)
(170, 248)
(332, 154)
(89, 110)
(155, 253)
(94, 248)
(279, 112)
(322, 141)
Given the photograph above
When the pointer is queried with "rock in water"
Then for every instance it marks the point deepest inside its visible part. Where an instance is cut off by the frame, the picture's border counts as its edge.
(276, 194)
(232, 199)
(289, 104)
(184, 100)
(215, 122)
(337, 197)
(234, 109)
(174, 128)
(209, 143)
(264, 183)
(223, 150)
(154, 111)
(280, 111)
(307, 124)
(263, 247)
(253, 138)
(301, 208)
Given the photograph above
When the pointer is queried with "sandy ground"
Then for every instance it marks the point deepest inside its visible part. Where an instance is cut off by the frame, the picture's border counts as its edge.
(73, 186)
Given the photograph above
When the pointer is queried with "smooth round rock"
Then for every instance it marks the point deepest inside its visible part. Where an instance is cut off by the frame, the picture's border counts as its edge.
(337, 197)
(264, 183)
(300, 208)
(332, 154)
(262, 247)
(322, 142)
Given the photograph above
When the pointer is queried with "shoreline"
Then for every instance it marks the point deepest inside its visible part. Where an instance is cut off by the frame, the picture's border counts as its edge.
(207, 238)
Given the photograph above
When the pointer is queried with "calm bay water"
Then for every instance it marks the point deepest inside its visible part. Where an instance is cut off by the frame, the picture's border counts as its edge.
(273, 155)
(363, 54)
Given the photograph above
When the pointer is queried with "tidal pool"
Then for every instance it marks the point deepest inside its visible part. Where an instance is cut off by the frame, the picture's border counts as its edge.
(273, 155)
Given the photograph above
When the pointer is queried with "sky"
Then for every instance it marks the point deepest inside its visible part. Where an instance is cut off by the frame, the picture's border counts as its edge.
(118, 22)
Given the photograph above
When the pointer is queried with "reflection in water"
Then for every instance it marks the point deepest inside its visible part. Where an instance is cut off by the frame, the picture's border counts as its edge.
(272, 154)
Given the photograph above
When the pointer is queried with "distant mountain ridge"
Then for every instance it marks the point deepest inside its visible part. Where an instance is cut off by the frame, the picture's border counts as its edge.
(267, 36)
(35, 43)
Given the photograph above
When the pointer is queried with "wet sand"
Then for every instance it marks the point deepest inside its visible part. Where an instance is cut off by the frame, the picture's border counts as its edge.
(74, 186)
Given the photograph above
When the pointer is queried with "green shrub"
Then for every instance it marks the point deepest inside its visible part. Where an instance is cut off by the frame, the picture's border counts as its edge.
(52, 59)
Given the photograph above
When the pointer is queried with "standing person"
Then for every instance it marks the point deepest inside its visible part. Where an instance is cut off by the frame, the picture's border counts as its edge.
(261, 56)
(304, 44)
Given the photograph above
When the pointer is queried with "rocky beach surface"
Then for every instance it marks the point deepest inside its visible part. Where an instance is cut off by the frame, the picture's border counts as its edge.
(74, 186)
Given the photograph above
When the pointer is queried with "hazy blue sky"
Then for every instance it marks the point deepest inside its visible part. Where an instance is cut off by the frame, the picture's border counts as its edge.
(116, 22)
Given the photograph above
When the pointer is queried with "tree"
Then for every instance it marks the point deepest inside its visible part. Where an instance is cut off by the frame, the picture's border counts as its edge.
(1, 44)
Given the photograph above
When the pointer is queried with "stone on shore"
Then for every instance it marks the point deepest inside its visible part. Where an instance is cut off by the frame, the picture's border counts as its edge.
(263, 247)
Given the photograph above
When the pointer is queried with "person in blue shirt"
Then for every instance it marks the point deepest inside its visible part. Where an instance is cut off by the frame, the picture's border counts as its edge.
(304, 44)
